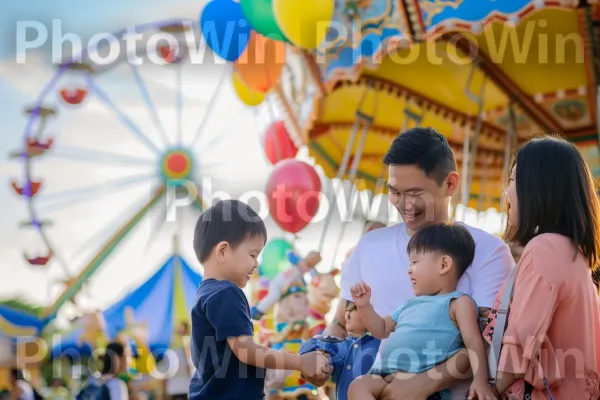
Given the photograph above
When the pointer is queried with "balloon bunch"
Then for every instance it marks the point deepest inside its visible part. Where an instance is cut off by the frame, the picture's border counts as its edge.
(252, 35)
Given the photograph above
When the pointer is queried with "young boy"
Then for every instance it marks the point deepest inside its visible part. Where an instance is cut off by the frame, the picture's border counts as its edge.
(434, 325)
(229, 365)
(351, 357)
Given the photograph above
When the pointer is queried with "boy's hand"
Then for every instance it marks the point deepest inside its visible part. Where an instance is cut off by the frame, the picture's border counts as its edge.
(481, 390)
(315, 365)
(361, 294)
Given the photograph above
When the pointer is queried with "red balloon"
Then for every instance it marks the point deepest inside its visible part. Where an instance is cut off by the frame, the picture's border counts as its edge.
(294, 193)
(278, 143)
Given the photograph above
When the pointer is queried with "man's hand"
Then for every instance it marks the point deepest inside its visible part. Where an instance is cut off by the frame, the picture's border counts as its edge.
(361, 294)
(315, 365)
(403, 386)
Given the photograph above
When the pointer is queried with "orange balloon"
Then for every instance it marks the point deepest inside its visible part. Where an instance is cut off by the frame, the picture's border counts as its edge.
(261, 63)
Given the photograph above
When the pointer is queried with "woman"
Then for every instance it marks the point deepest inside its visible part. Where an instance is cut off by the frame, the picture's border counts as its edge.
(552, 339)
(115, 362)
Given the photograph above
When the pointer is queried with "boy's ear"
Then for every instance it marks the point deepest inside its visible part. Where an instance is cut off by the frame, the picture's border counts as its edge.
(221, 250)
(445, 265)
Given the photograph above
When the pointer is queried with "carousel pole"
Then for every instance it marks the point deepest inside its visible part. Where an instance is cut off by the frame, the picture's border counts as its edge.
(464, 189)
(478, 124)
(483, 185)
(342, 168)
(511, 136)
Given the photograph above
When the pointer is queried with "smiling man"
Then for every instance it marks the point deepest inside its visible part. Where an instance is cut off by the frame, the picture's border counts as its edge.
(422, 179)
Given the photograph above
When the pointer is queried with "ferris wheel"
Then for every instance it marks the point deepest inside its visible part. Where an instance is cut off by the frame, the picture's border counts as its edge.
(110, 146)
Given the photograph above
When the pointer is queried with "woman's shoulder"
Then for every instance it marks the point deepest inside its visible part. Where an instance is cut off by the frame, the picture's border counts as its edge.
(548, 254)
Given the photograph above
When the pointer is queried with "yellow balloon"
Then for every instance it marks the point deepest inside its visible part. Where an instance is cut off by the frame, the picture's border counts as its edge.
(304, 22)
(246, 95)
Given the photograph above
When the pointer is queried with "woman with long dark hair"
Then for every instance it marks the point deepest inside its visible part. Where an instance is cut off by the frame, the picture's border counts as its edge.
(551, 343)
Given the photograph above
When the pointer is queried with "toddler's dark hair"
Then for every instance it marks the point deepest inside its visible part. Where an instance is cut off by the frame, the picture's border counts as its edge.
(447, 238)
(230, 221)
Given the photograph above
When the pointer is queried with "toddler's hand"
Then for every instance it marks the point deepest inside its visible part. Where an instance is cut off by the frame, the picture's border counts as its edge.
(481, 391)
(361, 294)
(315, 365)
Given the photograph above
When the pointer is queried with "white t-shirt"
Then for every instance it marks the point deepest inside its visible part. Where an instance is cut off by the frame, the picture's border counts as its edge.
(380, 259)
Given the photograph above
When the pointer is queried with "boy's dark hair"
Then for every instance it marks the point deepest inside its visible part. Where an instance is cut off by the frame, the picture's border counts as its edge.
(230, 221)
(424, 148)
(556, 193)
(447, 238)
(113, 351)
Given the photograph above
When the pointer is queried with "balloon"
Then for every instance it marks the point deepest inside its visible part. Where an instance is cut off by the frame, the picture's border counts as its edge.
(293, 191)
(278, 143)
(225, 29)
(248, 96)
(274, 258)
(304, 22)
(259, 14)
(261, 64)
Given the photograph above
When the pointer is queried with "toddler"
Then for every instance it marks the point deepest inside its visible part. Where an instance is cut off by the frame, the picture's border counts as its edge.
(434, 325)
(229, 364)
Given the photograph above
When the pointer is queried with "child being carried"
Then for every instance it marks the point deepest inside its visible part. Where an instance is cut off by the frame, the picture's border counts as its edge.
(434, 325)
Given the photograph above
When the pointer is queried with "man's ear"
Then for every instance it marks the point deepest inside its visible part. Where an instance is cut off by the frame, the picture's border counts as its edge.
(445, 265)
(221, 251)
(452, 183)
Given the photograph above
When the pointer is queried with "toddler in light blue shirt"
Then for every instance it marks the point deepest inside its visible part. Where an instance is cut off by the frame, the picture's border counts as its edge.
(434, 325)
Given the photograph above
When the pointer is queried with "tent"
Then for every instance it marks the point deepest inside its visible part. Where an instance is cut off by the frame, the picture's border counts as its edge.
(158, 305)
(15, 324)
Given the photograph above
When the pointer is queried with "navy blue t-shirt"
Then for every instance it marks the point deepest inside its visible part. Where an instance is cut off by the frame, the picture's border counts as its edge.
(222, 311)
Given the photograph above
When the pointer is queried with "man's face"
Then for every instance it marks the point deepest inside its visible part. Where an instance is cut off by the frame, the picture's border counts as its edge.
(418, 198)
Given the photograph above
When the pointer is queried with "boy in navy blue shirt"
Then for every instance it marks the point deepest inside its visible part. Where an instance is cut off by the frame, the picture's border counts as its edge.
(229, 365)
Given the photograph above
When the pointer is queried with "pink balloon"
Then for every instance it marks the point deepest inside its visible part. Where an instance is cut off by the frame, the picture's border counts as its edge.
(294, 193)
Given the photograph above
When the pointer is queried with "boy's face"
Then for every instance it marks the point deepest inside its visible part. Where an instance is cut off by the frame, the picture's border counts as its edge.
(243, 261)
(425, 272)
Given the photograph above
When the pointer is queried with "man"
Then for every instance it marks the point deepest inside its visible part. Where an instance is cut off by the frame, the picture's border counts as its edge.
(422, 179)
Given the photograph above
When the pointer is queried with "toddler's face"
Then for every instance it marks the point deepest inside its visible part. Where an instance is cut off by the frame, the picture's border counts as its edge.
(354, 323)
(424, 272)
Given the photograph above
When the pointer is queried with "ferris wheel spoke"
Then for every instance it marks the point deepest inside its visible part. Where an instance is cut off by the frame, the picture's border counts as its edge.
(106, 250)
(96, 156)
(179, 103)
(91, 192)
(160, 127)
(133, 128)
(225, 132)
(211, 104)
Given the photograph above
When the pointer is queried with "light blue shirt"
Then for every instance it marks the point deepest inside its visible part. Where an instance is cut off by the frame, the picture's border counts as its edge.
(424, 336)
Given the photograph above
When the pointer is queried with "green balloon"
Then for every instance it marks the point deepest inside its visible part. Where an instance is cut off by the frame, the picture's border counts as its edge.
(274, 258)
(259, 14)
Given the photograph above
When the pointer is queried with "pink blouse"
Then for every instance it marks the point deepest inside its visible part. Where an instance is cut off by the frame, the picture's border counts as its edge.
(553, 328)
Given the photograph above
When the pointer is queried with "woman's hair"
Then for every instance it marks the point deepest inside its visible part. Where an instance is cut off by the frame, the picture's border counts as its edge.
(556, 193)
(113, 350)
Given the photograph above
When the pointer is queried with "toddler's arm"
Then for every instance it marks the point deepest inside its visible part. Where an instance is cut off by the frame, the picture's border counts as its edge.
(466, 315)
(377, 326)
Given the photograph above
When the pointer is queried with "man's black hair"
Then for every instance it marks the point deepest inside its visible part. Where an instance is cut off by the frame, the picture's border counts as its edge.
(424, 148)
(230, 221)
(446, 238)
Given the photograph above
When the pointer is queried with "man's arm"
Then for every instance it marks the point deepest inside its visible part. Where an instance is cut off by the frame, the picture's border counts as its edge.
(490, 272)
(443, 376)
(337, 327)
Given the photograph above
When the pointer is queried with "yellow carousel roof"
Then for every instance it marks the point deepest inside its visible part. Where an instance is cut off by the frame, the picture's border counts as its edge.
(537, 59)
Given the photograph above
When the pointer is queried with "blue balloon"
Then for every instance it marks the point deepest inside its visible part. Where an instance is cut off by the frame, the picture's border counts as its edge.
(225, 29)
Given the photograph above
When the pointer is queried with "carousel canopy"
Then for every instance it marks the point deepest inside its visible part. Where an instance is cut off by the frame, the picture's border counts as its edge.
(490, 73)
(156, 308)
(18, 324)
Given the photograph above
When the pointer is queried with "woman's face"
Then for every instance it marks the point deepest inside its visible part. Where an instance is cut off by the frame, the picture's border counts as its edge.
(511, 196)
